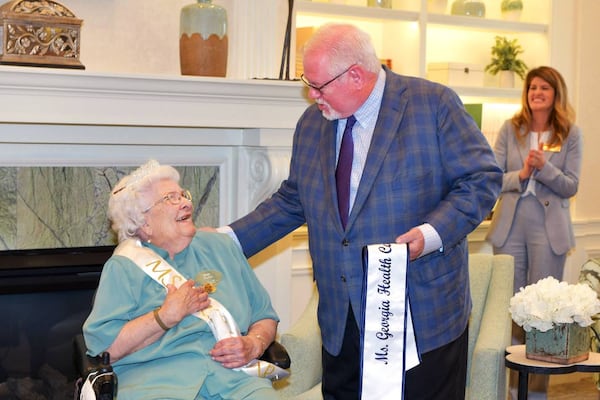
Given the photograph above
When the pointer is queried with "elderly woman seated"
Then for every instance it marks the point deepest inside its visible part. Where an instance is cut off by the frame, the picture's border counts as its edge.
(180, 311)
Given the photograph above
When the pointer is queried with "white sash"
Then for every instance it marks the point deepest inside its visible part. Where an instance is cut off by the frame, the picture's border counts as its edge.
(217, 317)
(389, 343)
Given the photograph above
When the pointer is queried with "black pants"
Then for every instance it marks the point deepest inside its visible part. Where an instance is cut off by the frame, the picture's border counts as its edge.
(441, 375)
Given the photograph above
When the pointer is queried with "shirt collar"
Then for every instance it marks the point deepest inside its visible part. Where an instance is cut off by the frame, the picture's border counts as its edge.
(367, 114)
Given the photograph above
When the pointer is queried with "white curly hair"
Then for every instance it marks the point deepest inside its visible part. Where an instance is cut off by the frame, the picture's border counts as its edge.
(129, 198)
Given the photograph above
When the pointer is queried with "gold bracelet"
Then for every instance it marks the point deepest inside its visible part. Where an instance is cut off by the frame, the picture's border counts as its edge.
(262, 341)
(158, 320)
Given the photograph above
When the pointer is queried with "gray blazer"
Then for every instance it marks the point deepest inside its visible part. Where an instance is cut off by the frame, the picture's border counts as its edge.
(557, 182)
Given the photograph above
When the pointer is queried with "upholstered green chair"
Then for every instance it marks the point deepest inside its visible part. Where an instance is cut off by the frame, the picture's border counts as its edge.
(491, 280)
(590, 275)
(490, 325)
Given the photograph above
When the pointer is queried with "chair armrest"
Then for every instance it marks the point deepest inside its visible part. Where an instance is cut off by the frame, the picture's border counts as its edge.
(84, 364)
(277, 355)
(488, 373)
(303, 342)
(90, 367)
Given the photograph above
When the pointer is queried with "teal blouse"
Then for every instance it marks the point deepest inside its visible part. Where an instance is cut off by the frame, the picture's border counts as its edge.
(178, 366)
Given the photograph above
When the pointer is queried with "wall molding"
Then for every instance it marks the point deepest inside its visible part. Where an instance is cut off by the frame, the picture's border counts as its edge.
(54, 96)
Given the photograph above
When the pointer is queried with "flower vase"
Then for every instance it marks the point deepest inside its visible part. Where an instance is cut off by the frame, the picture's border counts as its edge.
(511, 9)
(506, 79)
(203, 42)
(563, 344)
(512, 15)
(468, 7)
(437, 6)
(380, 3)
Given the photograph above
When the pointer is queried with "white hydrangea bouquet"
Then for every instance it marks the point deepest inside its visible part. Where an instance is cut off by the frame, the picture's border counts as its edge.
(548, 302)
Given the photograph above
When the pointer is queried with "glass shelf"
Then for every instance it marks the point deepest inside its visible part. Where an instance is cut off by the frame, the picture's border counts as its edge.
(463, 22)
(342, 10)
(410, 37)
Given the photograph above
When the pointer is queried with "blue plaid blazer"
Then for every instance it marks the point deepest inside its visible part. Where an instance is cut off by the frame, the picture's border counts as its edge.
(428, 162)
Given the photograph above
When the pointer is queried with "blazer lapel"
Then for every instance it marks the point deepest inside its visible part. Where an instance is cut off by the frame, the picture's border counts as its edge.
(523, 146)
(388, 122)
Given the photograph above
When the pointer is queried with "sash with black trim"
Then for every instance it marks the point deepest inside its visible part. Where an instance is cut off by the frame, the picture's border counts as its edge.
(389, 345)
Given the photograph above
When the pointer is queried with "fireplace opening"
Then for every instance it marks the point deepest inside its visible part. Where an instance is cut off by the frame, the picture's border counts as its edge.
(45, 296)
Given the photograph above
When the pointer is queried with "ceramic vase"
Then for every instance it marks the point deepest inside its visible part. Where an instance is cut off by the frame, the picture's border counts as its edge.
(468, 7)
(511, 9)
(563, 344)
(203, 44)
(437, 6)
(380, 3)
(512, 15)
(506, 79)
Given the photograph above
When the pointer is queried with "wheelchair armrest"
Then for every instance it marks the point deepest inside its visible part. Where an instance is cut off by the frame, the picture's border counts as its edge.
(84, 363)
(104, 380)
(277, 355)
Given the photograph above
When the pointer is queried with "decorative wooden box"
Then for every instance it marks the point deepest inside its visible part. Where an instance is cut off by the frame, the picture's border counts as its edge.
(40, 33)
(456, 74)
(563, 344)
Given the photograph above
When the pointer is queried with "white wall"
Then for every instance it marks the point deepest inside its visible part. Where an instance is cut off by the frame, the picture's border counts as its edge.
(587, 103)
(142, 36)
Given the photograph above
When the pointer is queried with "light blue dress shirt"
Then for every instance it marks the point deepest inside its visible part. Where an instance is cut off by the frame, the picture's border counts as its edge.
(362, 133)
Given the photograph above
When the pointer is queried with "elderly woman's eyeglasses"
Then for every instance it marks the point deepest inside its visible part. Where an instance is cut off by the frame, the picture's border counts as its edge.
(173, 198)
(320, 88)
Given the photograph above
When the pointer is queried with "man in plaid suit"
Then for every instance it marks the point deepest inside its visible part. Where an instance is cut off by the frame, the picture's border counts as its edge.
(422, 174)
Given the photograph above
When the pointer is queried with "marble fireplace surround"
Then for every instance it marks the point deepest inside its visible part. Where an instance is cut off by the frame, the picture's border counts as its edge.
(55, 117)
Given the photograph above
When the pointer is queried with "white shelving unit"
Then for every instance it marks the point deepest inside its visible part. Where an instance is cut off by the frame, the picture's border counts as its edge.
(411, 37)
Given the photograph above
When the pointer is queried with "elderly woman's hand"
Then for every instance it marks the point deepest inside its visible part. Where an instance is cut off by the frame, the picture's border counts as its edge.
(183, 301)
(237, 351)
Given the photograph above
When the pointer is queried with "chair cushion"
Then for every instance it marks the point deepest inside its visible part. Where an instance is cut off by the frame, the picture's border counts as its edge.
(480, 272)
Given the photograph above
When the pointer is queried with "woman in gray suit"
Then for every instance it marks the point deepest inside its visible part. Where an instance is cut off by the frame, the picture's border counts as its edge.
(540, 151)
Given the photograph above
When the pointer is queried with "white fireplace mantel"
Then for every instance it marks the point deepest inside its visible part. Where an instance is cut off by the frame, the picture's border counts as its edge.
(59, 96)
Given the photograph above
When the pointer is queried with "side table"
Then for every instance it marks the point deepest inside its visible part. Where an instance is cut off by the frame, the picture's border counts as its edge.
(516, 359)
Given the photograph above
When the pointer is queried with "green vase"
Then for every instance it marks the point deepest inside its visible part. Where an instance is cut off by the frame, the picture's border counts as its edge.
(380, 3)
(468, 7)
(563, 344)
(203, 42)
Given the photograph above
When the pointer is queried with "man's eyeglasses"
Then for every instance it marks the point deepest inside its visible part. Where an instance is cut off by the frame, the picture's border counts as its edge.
(320, 88)
(173, 198)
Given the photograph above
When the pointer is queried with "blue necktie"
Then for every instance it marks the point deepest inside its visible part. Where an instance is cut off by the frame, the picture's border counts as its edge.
(344, 170)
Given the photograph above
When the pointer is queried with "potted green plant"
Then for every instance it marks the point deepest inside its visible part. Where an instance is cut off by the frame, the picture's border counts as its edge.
(505, 54)
(511, 5)
(511, 9)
